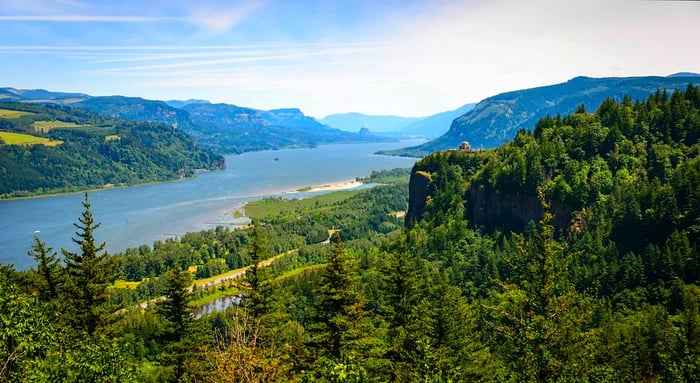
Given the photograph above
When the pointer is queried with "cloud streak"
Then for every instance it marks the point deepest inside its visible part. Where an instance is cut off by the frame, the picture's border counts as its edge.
(90, 19)
(340, 56)
(222, 18)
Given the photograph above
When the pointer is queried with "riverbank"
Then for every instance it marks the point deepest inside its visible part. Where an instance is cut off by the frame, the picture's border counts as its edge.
(137, 215)
(331, 187)
(74, 191)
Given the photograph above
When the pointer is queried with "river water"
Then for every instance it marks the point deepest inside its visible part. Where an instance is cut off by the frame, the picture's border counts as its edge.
(140, 215)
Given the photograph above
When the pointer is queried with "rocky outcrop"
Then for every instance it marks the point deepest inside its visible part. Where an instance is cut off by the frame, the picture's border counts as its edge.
(493, 209)
(419, 190)
(485, 206)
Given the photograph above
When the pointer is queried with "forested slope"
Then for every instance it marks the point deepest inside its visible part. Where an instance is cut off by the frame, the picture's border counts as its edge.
(606, 288)
(497, 119)
(87, 150)
(570, 254)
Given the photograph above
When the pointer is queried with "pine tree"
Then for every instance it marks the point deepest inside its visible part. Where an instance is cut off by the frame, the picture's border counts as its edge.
(256, 299)
(539, 319)
(333, 298)
(179, 320)
(90, 272)
(342, 340)
(48, 270)
(174, 309)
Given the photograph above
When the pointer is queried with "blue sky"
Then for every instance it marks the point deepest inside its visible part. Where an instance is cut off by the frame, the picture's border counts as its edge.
(409, 58)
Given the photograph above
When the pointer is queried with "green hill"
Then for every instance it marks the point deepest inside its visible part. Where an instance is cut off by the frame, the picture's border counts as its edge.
(496, 119)
(72, 149)
(628, 174)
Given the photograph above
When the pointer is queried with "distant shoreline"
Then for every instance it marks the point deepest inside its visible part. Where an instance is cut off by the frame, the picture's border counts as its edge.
(329, 187)
(90, 190)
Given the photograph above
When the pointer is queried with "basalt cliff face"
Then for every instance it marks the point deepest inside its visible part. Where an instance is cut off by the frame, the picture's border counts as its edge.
(484, 206)
(493, 209)
(419, 190)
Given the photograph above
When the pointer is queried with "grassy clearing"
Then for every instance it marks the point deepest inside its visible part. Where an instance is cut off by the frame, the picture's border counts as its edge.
(270, 207)
(10, 138)
(45, 126)
(298, 271)
(8, 113)
(121, 284)
(236, 273)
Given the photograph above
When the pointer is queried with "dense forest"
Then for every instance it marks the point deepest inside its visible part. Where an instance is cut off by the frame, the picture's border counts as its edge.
(568, 254)
(90, 151)
(497, 119)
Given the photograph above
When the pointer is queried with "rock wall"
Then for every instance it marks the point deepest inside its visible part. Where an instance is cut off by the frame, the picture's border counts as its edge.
(485, 206)
(419, 189)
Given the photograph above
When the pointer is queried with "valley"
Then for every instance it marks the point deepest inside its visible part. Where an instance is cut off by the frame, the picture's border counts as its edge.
(568, 252)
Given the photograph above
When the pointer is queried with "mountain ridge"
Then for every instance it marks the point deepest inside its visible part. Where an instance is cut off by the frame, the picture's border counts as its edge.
(496, 119)
(268, 129)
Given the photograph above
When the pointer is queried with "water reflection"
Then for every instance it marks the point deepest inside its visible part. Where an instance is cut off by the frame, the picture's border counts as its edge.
(220, 304)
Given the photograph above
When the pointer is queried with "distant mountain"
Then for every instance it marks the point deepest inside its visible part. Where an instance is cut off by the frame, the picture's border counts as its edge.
(179, 103)
(40, 95)
(138, 109)
(437, 124)
(396, 126)
(496, 119)
(352, 122)
(220, 127)
(233, 129)
(684, 74)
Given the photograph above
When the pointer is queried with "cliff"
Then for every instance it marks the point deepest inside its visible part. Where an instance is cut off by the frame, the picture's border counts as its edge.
(485, 206)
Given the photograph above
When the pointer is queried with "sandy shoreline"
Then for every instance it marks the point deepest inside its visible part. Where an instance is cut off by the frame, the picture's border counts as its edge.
(329, 187)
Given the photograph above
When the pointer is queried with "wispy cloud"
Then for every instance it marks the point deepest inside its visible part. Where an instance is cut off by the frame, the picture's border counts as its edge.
(190, 56)
(210, 18)
(89, 18)
(222, 18)
(403, 57)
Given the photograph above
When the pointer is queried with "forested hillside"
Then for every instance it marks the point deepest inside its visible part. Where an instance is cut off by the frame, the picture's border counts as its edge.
(138, 109)
(570, 254)
(49, 149)
(602, 283)
(497, 119)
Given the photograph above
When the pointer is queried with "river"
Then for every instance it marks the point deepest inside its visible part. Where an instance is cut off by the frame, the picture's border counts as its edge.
(140, 215)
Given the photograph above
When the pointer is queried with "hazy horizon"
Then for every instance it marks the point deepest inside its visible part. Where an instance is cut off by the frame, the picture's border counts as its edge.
(405, 58)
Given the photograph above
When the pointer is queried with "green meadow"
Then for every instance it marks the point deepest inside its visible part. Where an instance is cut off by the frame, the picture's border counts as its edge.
(7, 113)
(271, 207)
(10, 138)
(45, 126)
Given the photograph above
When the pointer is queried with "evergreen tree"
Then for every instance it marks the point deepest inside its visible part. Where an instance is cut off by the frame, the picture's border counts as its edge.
(48, 270)
(184, 337)
(342, 341)
(539, 319)
(333, 299)
(174, 309)
(90, 272)
(256, 298)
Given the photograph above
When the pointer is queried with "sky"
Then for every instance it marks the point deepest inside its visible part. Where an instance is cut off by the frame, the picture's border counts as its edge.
(385, 57)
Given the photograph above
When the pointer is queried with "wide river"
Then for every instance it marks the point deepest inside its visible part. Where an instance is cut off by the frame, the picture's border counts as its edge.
(140, 215)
